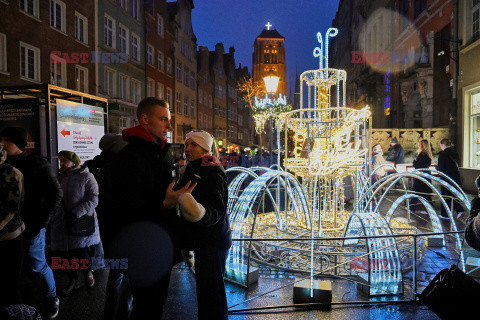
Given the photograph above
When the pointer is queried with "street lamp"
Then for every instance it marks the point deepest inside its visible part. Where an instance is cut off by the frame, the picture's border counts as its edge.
(271, 84)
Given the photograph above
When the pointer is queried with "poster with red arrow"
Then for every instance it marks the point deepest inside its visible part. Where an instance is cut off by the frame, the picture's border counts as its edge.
(79, 128)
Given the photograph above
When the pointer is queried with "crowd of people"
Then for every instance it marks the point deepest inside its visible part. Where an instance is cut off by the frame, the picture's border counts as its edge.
(127, 204)
(447, 164)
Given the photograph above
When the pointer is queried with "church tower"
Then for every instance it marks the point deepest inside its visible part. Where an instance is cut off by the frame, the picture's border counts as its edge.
(269, 58)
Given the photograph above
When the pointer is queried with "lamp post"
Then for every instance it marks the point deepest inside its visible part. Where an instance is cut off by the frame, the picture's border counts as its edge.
(271, 84)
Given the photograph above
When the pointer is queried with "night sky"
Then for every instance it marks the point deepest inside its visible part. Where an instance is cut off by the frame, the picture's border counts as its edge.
(238, 22)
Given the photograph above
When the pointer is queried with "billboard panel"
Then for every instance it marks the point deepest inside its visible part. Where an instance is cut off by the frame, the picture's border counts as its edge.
(23, 113)
(79, 128)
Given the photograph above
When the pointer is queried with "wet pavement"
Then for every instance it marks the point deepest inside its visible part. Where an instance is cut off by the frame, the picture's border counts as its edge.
(349, 302)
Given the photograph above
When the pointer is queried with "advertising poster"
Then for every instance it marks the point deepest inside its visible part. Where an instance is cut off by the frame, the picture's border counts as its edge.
(23, 113)
(79, 128)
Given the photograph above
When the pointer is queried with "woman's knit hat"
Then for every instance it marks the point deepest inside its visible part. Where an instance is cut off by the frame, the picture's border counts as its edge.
(70, 155)
(202, 138)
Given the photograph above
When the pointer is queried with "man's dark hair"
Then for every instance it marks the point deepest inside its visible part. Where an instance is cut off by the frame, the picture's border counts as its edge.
(446, 142)
(146, 105)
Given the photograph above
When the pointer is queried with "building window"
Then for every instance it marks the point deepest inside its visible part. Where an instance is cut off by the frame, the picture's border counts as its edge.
(476, 20)
(3, 52)
(123, 87)
(123, 123)
(135, 9)
(29, 62)
(30, 7)
(160, 91)
(473, 97)
(136, 87)
(135, 47)
(200, 120)
(57, 14)
(58, 70)
(205, 122)
(150, 87)
(123, 39)
(124, 4)
(192, 108)
(169, 66)
(179, 102)
(160, 30)
(150, 52)
(192, 80)
(186, 73)
(109, 82)
(109, 31)
(169, 97)
(185, 105)
(81, 79)
(160, 60)
(179, 71)
(81, 28)
(420, 6)
(179, 133)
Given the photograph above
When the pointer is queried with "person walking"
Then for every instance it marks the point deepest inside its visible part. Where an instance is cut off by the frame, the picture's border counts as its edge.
(80, 198)
(11, 229)
(42, 196)
(377, 161)
(140, 221)
(396, 152)
(448, 164)
(205, 222)
(422, 161)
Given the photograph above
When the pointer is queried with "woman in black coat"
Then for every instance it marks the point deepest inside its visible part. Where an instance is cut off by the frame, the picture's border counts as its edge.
(206, 227)
(422, 161)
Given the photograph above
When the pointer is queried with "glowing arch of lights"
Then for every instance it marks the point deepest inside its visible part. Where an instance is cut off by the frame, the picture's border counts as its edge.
(383, 274)
(244, 205)
(424, 176)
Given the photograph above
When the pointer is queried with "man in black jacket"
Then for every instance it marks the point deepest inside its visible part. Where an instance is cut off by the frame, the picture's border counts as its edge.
(139, 223)
(448, 164)
(42, 195)
(397, 154)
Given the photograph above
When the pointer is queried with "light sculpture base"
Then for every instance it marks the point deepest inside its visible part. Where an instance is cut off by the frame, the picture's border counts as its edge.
(240, 276)
(472, 267)
(434, 242)
(322, 292)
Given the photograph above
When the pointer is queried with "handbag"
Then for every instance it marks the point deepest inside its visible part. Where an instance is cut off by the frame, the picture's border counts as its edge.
(452, 294)
(83, 226)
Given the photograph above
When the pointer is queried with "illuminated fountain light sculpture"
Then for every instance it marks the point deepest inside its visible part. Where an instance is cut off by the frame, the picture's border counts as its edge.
(330, 144)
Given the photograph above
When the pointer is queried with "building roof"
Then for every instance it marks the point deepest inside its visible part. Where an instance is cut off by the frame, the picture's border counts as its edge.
(270, 34)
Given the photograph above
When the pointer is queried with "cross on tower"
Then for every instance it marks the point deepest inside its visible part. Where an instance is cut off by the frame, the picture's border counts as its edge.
(268, 25)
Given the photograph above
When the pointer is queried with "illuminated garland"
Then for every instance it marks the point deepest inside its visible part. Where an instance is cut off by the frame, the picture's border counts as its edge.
(266, 108)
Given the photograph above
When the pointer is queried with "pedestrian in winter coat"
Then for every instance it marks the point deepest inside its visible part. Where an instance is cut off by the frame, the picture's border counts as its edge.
(80, 197)
(110, 144)
(206, 226)
(422, 161)
(472, 227)
(377, 161)
(397, 154)
(139, 210)
(448, 164)
(42, 196)
(11, 229)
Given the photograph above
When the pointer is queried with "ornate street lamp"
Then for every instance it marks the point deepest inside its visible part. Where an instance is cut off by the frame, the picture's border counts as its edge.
(271, 83)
